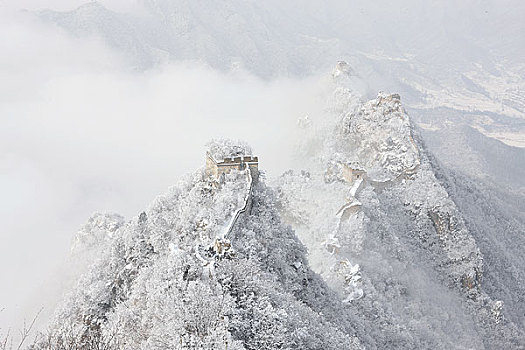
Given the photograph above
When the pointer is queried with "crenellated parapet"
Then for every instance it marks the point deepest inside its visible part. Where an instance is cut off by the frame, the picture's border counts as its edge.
(218, 167)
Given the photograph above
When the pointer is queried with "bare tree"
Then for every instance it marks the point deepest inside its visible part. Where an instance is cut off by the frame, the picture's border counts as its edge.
(7, 340)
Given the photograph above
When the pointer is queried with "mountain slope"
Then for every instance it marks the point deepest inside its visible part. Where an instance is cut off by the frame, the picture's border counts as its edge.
(494, 215)
(468, 151)
(383, 231)
(162, 282)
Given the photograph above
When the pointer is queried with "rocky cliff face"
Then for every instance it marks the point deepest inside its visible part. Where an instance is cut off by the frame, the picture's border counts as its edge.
(391, 242)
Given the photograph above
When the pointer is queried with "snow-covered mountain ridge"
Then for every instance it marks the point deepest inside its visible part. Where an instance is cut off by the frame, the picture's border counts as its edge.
(370, 209)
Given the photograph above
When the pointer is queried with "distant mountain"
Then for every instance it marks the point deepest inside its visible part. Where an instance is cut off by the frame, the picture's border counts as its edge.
(466, 150)
(459, 63)
(222, 35)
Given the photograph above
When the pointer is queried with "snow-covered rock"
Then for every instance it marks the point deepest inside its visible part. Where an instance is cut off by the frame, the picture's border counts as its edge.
(404, 256)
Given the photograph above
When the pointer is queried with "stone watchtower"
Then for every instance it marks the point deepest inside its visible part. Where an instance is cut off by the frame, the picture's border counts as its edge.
(353, 172)
(217, 167)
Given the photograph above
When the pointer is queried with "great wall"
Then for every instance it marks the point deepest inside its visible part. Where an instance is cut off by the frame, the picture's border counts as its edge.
(216, 169)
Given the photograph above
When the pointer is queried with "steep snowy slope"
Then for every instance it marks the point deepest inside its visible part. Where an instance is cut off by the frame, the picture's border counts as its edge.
(383, 232)
(169, 278)
(494, 216)
(468, 151)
